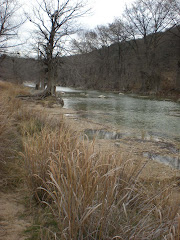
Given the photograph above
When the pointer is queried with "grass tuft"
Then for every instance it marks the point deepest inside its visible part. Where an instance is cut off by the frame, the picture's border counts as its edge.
(80, 193)
(93, 195)
(10, 140)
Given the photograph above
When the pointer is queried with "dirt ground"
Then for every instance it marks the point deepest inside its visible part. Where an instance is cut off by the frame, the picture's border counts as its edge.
(13, 222)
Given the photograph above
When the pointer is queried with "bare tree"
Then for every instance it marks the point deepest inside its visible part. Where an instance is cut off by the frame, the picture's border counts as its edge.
(87, 41)
(145, 19)
(96, 42)
(90, 40)
(101, 36)
(117, 34)
(9, 23)
(80, 45)
(117, 31)
(175, 15)
(54, 21)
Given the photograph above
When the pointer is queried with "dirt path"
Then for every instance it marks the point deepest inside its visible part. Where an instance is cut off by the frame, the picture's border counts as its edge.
(13, 222)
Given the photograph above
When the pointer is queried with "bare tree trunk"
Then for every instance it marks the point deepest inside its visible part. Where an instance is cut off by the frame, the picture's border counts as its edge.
(42, 83)
(51, 85)
(37, 86)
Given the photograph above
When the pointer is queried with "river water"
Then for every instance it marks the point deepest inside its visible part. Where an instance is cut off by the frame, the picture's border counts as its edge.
(134, 115)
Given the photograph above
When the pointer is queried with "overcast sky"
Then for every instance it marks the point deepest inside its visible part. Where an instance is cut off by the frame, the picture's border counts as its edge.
(104, 11)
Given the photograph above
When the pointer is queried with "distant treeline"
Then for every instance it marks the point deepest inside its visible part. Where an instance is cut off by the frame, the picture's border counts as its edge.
(125, 66)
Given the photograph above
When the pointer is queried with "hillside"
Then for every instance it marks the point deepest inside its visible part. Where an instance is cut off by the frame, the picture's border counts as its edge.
(126, 67)
(18, 69)
(131, 66)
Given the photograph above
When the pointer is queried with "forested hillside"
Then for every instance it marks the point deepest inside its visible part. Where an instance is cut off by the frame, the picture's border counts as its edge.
(18, 69)
(126, 66)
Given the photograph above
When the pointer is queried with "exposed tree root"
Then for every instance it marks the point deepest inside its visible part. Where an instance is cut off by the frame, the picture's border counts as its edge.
(38, 96)
(41, 96)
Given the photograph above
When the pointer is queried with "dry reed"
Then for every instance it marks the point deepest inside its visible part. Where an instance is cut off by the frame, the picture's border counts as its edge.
(94, 195)
(10, 141)
(91, 195)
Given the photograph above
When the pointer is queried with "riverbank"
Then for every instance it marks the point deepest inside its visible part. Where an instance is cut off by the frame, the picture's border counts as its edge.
(155, 152)
(169, 95)
(95, 188)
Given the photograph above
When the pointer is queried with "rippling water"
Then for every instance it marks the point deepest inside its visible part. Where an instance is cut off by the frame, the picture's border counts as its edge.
(134, 115)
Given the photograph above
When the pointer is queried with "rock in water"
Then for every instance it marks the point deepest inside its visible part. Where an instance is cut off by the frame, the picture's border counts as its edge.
(101, 96)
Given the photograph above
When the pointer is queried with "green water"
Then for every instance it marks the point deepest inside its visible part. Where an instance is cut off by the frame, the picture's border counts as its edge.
(133, 115)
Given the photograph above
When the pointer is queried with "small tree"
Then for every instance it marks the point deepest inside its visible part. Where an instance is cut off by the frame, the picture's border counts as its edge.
(54, 22)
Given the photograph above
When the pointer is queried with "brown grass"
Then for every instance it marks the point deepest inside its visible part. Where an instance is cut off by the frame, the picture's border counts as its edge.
(84, 194)
(10, 141)
(92, 195)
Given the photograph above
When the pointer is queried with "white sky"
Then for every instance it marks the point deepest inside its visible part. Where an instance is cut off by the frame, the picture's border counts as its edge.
(104, 11)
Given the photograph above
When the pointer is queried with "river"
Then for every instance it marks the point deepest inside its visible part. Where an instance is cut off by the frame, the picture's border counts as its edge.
(136, 116)
(153, 123)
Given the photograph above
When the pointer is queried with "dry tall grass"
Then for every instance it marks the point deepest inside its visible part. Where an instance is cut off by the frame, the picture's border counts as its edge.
(9, 138)
(91, 195)
(94, 195)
